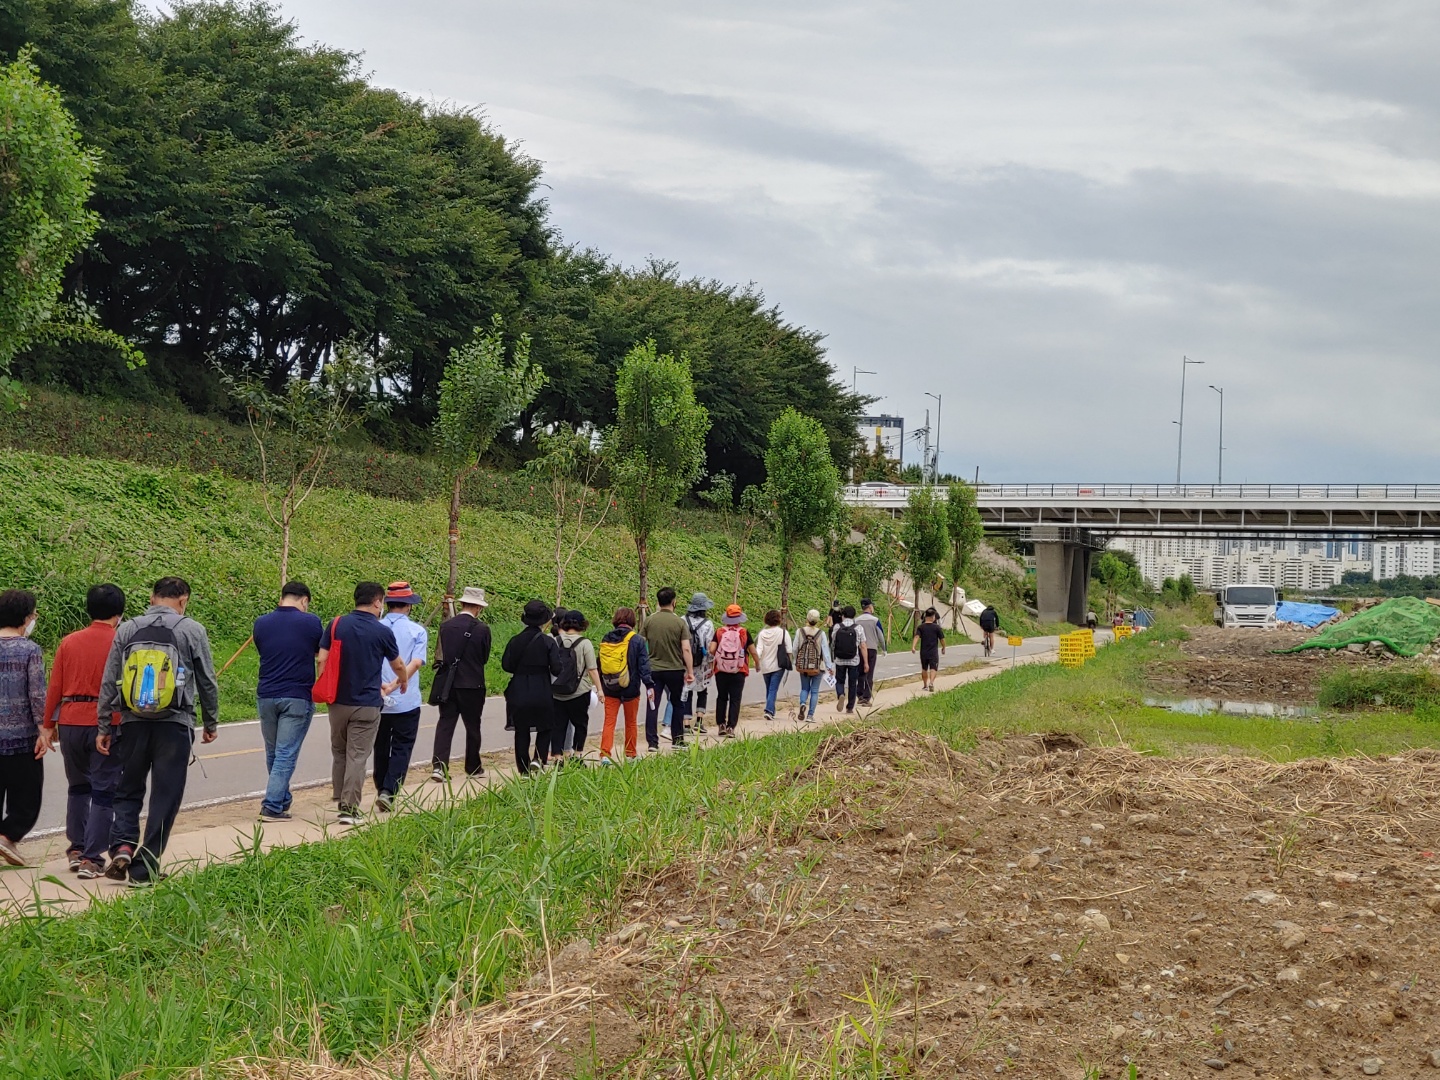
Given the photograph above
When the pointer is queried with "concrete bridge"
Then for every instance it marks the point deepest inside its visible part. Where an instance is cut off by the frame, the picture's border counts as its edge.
(1068, 522)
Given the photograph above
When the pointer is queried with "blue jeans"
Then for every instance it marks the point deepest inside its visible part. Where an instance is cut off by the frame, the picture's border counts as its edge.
(284, 723)
(810, 692)
(772, 688)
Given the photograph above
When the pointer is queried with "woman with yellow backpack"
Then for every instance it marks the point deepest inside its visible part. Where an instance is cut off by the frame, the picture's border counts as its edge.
(624, 669)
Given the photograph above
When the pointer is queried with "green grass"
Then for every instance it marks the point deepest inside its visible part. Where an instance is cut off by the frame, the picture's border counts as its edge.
(361, 941)
(1405, 685)
(72, 522)
(356, 943)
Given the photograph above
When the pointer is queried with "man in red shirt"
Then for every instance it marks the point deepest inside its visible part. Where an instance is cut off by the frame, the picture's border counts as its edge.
(73, 690)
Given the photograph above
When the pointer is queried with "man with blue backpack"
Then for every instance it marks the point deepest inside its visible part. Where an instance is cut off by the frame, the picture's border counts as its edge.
(158, 671)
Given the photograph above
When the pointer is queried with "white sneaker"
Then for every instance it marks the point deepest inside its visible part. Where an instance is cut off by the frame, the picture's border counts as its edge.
(438, 775)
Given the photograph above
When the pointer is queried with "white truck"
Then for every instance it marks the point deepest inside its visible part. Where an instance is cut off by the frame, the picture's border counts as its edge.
(1246, 605)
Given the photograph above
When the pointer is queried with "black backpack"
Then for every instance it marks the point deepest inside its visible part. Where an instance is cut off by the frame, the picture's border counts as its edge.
(989, 620)
(567, 680)
(847, 642)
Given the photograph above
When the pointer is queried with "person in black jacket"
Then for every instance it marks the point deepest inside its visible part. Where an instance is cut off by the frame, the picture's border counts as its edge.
(464, 643)
(532, 661)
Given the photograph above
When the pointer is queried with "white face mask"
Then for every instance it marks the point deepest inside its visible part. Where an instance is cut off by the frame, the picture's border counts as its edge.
(30, 626)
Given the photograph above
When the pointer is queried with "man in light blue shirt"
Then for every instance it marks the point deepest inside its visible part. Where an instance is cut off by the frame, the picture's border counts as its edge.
(400, 712)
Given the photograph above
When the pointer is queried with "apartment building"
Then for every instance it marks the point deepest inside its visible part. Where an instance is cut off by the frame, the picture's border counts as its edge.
(1299, 565)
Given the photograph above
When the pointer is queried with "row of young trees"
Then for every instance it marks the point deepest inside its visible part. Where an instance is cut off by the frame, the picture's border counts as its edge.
(242, 205)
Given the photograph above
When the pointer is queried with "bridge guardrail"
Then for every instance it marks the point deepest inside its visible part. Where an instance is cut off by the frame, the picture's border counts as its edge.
(1357, 492)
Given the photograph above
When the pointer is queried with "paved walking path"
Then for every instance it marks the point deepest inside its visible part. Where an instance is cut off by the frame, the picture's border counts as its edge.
(226, 781)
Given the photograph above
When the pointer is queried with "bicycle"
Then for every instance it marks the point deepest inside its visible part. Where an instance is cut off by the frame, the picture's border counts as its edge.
(989, 640)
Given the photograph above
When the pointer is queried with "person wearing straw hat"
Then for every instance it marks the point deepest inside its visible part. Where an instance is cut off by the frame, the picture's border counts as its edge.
(465, 648)
(733, 656)
(532, 662)
(400, 712)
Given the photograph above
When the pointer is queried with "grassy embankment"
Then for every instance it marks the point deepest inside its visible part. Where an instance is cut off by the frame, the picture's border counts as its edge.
(354, 944)
(71, 522)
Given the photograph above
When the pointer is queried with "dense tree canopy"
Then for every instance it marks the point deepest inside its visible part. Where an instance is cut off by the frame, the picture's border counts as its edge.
(260, 202)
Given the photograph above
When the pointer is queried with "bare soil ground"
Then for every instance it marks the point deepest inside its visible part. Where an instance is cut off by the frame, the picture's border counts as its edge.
(1034, 909)
(1243, 665)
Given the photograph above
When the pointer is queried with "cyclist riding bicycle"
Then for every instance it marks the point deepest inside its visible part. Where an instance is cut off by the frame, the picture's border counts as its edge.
(989, 623)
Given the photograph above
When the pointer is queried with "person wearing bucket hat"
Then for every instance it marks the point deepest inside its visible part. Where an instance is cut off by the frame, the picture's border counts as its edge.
(532, 661)
(702, 651)
(400, 711)
(733, 656)
(465, 648)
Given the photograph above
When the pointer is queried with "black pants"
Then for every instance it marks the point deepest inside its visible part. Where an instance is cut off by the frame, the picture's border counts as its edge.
(156, 752)
(394, 743)
(466, 705)
(22, 778)
(91, 777)
(867, 678)
(847, 676)
(570, 712)
(673, 684)
(729, 687)
(541, 720)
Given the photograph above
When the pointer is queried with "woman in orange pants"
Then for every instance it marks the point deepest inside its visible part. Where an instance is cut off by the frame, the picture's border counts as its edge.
(624, 669)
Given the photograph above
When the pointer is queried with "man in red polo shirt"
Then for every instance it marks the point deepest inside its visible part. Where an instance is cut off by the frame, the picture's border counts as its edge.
(73, 690)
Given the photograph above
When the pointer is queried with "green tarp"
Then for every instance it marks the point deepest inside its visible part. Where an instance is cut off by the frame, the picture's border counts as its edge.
(1406, 625)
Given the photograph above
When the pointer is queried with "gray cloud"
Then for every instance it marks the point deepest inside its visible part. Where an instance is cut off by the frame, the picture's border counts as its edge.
(1033, 209)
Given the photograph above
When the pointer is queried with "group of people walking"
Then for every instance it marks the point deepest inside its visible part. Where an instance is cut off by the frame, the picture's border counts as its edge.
(120, 706)
(124, 698)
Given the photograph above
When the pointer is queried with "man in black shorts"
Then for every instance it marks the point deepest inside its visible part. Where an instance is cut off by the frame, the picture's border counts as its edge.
(930, 642)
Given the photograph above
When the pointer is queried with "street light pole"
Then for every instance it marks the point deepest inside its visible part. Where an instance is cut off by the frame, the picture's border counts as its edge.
(1185, 363)
(1220, 464)
(935, 468)
(855, 374)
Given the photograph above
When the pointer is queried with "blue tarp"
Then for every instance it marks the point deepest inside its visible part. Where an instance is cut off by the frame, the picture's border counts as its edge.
(1304, 614)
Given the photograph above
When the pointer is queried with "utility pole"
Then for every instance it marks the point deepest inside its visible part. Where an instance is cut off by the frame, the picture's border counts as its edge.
(1220, 464)
(1185, 363)
(855, 374)
(935, 465)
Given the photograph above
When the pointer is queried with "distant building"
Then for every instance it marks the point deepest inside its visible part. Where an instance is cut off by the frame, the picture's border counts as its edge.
(886, 431)
(1409, 558)
(1301, 565)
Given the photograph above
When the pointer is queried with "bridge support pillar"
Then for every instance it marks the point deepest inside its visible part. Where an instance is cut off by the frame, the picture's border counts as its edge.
(1062, 577)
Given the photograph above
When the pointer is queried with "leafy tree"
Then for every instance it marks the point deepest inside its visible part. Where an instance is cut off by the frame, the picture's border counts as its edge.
(656, 446)
(877, 557)
(296, 427)
(741, 522)
(924, 536)
(747, 361)
(965, 529)
(1118, 576)
(480, 394)
(45, 180)
(837, 553)
(571, 465)
(872, 463)
(802, 484)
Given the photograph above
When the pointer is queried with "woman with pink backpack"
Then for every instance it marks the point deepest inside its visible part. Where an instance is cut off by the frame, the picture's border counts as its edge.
(733, 656)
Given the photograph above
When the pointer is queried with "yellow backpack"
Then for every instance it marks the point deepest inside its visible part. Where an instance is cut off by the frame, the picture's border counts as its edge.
(151, 673)
(615, 664)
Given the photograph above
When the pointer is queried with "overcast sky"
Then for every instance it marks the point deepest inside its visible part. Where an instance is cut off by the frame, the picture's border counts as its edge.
(1034, 209)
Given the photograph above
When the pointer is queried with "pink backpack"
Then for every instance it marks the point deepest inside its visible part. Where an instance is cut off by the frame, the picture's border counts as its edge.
(730, 651)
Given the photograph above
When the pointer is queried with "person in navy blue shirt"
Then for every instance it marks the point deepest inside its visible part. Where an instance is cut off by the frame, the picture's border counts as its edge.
(366, 644)
(287, 640)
